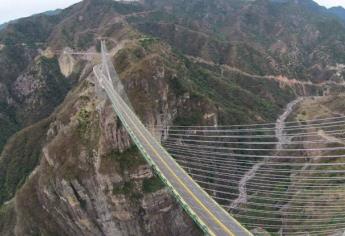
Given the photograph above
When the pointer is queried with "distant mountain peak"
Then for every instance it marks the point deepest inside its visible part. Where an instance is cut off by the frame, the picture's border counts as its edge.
(315, 7)
(338, 11)
(48, 13)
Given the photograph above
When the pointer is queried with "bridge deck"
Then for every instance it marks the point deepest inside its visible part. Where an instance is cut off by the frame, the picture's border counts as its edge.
(213, 219)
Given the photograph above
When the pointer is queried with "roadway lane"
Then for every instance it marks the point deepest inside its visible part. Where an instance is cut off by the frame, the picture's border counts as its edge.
(213, 216)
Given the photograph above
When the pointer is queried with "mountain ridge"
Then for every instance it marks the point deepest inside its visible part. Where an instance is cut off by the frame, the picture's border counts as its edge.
(338, 11)
(48, 13)
(182, 63)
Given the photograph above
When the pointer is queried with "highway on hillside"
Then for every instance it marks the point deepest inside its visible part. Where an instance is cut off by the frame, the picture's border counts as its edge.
(212, 218)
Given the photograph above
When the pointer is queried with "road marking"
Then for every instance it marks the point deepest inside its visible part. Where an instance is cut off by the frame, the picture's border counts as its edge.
(180, 181)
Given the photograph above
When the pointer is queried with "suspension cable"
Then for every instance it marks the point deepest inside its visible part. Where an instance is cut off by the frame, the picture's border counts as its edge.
(245, 130)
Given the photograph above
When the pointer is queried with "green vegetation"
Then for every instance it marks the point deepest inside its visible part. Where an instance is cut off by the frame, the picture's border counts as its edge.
(128, 189)
(8, 125)
(20, 157)
(52, 92)
(27, 111)
(84, 123)
(122, 162)
(86, 41)
(123, 8)
(194, 88)
(23, 150)
(7, 218)
(125, 188)
(189, 119)
(146, 42)
(255, 96)
(152, 185)
(127, 160)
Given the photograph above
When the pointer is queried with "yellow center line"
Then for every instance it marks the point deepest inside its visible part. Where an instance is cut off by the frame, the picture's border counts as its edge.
(180, 181)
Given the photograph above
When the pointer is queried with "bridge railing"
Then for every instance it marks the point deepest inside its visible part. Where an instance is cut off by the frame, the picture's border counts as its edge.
(123, 109)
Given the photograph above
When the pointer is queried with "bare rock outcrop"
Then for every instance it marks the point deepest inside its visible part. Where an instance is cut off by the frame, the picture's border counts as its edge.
(91, 181)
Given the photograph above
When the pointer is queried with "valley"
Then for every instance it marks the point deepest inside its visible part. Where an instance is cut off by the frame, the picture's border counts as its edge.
(199, 75)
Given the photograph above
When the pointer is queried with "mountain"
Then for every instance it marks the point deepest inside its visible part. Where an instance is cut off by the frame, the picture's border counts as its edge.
(67, 165)
(3, 26)
(338, 11)
(52, 12)
(48, 13)
(280, 33)
(313, 6)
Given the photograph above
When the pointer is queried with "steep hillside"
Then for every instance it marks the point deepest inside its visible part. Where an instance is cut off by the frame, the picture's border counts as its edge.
(338, 11)
(260, 37)
(3, 26)
(27, 95)
(309, 196)
(67, 165)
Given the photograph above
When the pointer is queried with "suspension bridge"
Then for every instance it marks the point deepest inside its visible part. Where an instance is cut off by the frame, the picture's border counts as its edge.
(211, 217)
(276, 176)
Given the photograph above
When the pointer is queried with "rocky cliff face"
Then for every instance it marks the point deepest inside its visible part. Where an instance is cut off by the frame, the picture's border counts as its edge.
(90, 179)
(99, 185)
(31, 86)
(68, 167)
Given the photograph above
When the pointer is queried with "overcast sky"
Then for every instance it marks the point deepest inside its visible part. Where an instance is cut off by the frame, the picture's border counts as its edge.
(13, 9)
(329, 3)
